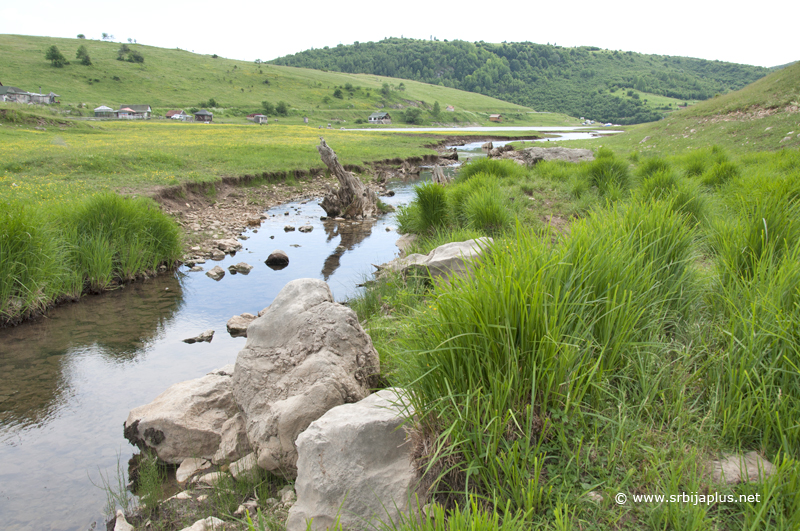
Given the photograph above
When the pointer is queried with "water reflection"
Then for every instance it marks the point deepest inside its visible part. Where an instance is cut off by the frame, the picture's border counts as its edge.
(352, 233)
(121, 325)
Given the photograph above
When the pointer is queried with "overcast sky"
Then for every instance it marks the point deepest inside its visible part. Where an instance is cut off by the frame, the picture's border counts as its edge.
(756, 33)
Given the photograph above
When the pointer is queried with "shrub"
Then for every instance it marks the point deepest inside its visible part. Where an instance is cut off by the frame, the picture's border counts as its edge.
(123, 50)
(282, 108)
(338, 93)
(413, 115)
(135, 57)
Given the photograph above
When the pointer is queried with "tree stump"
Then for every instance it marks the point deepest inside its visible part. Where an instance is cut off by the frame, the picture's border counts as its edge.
(438, 176)
(352, 199)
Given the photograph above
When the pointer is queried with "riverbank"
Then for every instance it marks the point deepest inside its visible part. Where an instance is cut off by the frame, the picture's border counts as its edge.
(39, 175)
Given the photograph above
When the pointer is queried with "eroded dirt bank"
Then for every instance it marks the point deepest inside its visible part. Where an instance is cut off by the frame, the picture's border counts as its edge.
(223, 210)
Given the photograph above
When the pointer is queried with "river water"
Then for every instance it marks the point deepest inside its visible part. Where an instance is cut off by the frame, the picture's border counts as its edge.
(68, 381)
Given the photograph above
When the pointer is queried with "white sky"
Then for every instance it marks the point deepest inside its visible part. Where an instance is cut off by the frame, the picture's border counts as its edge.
(761, 33)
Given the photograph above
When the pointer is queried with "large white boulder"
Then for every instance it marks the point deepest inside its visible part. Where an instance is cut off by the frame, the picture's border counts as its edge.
(446, 260)
(532, 155)
(355, 463)
(186, 420)
(305, 355)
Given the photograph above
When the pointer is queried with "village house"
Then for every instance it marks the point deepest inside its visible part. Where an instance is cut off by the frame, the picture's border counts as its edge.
(104, 112)
(203, 116)
(380, 118)
(14, 94)
(135, 112)
(126, 113)
(450, 108)
(495, 118)
(17, 95)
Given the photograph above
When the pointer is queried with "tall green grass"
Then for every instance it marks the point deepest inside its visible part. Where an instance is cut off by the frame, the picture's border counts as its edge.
(656, 334)
(34, 263)
(685, 195)
(537, 333)
(755, 380)
(501, 168)
(55, 251)
(756, 377)
(610, 175)
(474, 201)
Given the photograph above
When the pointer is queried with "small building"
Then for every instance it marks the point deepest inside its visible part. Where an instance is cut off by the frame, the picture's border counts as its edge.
(104, 112)
(495, 118)
(380, 118)
(305, 119)
(126, 113)
(177, 114)
(450, 108)
(257, 118)
(46, 99)
(14, 95)
(203, 116)
(140, 112)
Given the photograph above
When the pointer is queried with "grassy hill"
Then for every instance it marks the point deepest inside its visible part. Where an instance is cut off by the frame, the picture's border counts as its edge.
(604, 85)
(177, 78)
(764, 116)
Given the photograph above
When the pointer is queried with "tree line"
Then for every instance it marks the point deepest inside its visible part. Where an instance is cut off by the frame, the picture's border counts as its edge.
(584, 81)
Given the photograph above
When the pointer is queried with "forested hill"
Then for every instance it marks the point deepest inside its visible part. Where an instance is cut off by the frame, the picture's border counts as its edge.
(603, 85)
